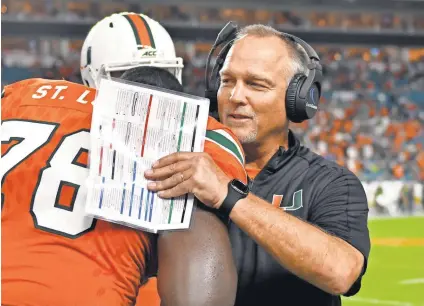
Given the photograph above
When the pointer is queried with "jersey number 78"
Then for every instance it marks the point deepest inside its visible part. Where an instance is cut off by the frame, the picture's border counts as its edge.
(61, 170)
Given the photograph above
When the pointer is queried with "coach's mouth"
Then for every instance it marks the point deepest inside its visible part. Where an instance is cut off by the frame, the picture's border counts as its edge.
(238, 117)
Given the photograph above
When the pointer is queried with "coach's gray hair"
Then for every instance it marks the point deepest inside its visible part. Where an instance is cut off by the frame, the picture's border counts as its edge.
(299, 58)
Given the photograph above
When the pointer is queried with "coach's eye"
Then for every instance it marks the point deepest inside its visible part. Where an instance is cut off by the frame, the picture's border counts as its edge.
(226, 82)
(255, 85)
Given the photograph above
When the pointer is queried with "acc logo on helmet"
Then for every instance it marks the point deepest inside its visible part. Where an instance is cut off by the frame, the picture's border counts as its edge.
(150, 52)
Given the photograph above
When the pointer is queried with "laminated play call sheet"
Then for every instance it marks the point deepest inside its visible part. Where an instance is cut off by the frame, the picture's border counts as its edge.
(134, 125)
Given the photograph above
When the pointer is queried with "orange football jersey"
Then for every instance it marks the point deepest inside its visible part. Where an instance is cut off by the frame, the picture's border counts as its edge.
(52, 254)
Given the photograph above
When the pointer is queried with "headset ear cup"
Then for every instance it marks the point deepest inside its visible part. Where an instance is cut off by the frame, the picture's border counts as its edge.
(214, 78)
(293, 112)
(212, 94)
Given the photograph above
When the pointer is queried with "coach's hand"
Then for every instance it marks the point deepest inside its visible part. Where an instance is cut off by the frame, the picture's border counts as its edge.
(187, 172)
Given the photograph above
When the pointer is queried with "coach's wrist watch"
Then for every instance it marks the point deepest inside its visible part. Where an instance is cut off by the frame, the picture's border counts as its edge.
(236, 190)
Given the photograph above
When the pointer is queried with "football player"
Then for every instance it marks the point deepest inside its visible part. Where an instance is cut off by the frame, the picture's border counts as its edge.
(52, 252)
(126, 40)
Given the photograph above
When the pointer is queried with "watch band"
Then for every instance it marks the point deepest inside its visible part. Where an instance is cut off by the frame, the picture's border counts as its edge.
(233, 196)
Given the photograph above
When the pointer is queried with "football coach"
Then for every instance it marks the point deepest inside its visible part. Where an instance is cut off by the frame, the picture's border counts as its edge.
(299, 229)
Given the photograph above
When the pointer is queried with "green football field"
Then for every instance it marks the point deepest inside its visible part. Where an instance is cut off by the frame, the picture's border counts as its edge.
(395, 274)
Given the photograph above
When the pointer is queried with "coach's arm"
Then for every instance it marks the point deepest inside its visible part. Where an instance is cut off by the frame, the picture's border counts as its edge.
(331, 251)
(331, 254)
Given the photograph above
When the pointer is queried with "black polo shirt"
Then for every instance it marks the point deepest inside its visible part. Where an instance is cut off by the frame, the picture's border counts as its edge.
(316, 190)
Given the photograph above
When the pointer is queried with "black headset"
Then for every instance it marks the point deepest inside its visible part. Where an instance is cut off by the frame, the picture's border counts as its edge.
(303, 92)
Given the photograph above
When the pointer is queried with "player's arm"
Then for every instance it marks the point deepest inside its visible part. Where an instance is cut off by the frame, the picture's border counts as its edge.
(331, 255)
(196, 266)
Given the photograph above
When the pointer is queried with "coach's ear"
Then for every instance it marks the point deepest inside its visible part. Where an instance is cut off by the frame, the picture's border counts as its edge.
(196, 266)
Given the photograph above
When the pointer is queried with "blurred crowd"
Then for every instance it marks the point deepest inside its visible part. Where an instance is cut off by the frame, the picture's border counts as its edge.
(372, 109)
(78, 10)
(373, 115)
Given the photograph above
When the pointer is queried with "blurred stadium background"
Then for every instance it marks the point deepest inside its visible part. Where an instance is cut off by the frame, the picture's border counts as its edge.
(372, 108)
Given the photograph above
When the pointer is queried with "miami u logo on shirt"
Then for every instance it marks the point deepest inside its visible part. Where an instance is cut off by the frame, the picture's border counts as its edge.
(295, 204)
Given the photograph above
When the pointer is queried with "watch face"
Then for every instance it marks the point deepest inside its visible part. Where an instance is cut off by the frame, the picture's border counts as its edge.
(239, 186)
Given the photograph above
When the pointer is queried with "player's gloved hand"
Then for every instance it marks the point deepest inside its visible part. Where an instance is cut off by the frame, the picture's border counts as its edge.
(188, 172)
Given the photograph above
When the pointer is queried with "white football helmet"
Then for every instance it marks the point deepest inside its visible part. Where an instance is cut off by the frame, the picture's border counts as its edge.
(126, 40)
